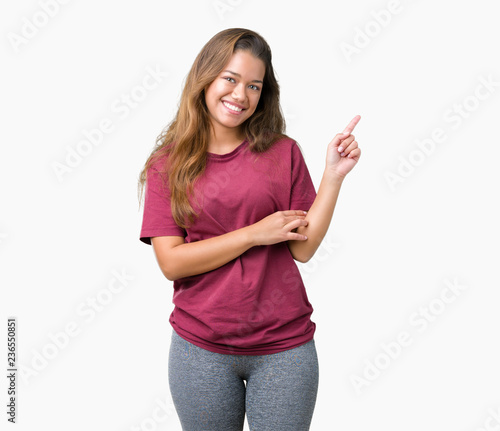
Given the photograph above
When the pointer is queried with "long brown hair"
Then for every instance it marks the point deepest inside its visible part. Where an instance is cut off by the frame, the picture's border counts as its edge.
(187, 136)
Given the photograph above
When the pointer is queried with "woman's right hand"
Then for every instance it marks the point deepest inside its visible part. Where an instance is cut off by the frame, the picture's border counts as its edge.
(277, 227)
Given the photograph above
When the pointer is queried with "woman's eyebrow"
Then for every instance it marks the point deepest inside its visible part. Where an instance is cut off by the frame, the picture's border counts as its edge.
(239, 76)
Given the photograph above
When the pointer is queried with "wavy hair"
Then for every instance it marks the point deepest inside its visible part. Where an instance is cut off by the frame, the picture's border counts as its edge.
(186, 138)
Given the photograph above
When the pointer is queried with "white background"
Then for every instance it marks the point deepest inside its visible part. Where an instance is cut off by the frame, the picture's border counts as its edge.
(393, 248)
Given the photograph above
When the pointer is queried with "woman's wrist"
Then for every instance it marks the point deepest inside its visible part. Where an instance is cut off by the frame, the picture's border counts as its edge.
(248, 233)
(331, 176)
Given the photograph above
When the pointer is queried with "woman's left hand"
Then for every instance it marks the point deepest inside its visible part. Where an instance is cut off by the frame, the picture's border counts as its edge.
(343, 152)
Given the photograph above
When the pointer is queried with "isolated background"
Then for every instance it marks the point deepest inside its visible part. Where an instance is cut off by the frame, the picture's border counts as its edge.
(390, 250)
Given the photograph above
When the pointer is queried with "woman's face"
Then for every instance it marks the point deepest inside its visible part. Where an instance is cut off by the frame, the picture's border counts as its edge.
(233, 96)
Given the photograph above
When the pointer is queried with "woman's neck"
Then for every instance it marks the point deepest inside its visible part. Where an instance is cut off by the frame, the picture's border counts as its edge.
(225, 141)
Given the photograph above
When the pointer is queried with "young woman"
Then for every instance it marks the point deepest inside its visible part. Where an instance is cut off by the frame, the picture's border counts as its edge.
(226, 195)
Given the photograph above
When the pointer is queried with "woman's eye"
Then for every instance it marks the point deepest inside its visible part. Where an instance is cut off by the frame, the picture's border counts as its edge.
(229, 79)
(254, 87)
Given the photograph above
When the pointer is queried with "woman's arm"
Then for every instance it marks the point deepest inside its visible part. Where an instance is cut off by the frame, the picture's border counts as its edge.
(342, 155)
(319, 217)
(178, 259)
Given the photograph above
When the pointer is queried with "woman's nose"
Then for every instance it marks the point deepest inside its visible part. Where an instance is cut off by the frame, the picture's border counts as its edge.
(239, 92)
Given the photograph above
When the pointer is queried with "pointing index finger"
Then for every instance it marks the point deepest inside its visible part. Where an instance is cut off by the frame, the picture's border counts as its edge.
(350, 127)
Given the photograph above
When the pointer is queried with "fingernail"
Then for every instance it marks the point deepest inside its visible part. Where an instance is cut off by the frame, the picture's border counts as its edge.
(341, 149)
(342, 153)
(305, 212)
(305, 237)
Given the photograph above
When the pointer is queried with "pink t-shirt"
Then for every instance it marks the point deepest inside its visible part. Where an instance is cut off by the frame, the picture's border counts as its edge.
(255, 304)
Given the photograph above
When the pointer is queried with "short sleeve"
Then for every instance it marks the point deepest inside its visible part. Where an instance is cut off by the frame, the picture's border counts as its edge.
(157, 217)
(303, 192)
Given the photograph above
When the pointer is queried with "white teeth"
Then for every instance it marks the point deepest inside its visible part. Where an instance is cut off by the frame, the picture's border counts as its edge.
(233, 108)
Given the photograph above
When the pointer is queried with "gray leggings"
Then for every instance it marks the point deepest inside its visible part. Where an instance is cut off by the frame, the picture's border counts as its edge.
(209, 392)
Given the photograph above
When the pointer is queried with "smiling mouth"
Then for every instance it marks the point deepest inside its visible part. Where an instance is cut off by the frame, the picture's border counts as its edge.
(231, 107)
